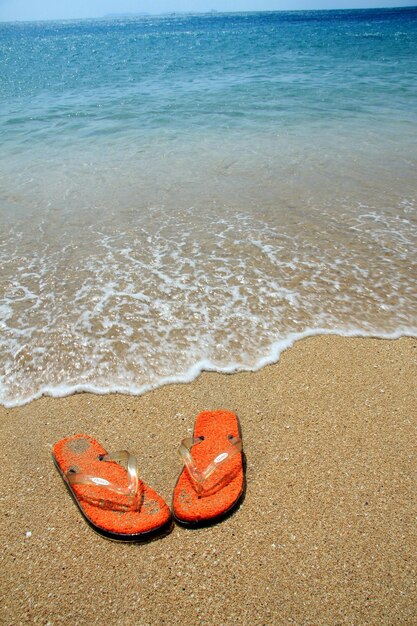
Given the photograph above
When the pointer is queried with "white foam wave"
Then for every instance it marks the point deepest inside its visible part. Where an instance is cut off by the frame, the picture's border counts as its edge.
(159, 295)
(271, 356)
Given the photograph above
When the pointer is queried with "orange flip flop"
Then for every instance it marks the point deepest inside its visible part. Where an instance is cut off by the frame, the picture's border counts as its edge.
(212, 481)
(113, 500)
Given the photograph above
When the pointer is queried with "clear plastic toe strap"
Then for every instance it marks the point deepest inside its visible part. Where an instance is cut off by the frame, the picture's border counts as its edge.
(123, 457)
(198, 476)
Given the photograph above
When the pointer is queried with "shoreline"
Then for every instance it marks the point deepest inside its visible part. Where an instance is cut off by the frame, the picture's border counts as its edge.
(325, 533)
(272, 357)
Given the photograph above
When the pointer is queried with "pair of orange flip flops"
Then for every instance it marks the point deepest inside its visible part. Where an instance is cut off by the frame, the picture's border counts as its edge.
(118, 505)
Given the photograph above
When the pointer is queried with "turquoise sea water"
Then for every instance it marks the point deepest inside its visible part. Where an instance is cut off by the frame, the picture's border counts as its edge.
(189, 192)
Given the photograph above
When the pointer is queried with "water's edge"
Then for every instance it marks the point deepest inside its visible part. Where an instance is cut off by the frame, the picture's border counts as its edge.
(273, 355)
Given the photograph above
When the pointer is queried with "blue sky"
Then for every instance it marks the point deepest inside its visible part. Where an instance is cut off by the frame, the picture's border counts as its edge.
(68, 9)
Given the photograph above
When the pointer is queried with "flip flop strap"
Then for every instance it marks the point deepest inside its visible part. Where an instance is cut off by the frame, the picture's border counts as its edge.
(198, 476)
(133, 489)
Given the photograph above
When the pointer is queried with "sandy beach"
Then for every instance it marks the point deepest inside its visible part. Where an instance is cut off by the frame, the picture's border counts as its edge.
(325, 535)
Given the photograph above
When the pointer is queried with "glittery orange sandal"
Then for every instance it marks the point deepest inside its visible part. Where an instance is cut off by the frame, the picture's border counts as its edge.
(113, 500)
(212, 481)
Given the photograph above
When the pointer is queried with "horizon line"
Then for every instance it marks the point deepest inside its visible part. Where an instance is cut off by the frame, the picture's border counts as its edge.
(145, 14)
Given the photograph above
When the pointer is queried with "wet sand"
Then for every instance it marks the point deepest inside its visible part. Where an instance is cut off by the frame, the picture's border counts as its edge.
(325, 535)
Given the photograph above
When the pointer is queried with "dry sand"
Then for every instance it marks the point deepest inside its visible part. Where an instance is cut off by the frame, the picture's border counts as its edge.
(325, 535)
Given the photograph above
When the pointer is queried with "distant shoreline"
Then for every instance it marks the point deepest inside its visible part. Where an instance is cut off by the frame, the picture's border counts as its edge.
(213, 12)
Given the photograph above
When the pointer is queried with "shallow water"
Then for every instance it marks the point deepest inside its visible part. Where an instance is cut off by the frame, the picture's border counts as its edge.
(198, 192)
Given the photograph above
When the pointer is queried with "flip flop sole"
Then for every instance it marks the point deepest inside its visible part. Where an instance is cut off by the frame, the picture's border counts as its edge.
(153, 518)
(226, 489)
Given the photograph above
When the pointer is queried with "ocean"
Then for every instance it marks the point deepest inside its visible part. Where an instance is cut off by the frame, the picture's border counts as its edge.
(197, 192)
